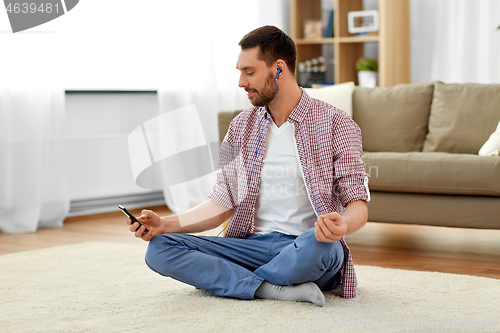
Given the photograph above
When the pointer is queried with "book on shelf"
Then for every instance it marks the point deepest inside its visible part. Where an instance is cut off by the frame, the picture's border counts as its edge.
(328, 32)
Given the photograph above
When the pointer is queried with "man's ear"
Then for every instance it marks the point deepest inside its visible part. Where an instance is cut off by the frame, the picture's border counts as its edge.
(281, 64)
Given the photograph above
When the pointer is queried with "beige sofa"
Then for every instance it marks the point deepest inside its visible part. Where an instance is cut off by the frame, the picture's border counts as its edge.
(421, 146)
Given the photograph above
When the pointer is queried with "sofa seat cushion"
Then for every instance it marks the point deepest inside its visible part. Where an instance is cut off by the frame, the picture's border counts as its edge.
(393, 118)
(462, 117)
(434, 173)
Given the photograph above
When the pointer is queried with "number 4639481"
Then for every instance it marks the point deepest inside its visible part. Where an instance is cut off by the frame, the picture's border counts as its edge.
(32, 8)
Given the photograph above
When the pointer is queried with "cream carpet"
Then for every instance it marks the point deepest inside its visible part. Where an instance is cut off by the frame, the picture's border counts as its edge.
(107, 287)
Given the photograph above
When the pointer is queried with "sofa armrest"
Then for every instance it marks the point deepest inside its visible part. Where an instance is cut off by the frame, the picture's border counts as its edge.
(225, 118)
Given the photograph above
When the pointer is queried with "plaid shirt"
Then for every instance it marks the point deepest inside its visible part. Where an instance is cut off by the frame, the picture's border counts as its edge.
(329, 148)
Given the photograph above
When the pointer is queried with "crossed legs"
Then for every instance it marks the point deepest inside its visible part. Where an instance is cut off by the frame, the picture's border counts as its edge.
(254, 267)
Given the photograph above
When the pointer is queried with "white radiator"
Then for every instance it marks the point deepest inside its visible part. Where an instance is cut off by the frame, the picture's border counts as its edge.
(100, 175)
(98, 165)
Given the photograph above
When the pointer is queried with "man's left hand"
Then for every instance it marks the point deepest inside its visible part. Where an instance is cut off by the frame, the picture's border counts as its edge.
(330, 227)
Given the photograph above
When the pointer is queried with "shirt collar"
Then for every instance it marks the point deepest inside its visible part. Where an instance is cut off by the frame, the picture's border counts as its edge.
(298, 113)
(301, 109)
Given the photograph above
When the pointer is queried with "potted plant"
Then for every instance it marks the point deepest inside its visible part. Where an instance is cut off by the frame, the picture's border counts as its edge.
(367, 72)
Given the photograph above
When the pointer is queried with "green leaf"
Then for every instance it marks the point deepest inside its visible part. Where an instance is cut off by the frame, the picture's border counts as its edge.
(367, 65)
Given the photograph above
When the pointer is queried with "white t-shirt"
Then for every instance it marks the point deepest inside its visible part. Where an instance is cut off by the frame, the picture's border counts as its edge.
(283, 203)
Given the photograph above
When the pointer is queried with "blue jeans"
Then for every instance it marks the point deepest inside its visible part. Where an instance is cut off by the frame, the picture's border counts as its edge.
(236, 267)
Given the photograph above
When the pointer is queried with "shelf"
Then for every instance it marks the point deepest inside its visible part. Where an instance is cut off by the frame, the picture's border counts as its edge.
(392, 40)
(315, 41)
(353, 39)
(358, 39)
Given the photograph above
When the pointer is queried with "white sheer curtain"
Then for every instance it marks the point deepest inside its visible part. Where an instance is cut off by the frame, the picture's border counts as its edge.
(33, 188)
(455, 41)
(211, 80)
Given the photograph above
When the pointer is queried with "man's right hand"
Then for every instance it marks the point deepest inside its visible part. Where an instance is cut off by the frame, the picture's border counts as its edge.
(150, 220)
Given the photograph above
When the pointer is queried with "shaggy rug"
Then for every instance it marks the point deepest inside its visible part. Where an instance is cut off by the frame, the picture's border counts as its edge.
(107, 287)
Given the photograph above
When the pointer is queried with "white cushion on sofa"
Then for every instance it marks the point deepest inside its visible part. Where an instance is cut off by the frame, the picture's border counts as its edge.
(338, 95)
(492, 146)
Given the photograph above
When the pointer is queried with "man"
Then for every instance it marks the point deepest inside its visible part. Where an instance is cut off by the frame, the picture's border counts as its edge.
(294, 191)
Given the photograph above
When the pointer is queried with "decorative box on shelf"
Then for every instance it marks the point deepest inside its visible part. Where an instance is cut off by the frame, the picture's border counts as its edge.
(311, 72)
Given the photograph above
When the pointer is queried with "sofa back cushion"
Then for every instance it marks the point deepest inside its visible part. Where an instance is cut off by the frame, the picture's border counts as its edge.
(338, 95)
(394, 118)
(462, 117)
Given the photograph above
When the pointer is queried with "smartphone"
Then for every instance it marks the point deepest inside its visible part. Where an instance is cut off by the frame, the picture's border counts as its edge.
(132, 217)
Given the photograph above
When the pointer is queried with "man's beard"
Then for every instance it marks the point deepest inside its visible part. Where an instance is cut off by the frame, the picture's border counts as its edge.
(266, 95)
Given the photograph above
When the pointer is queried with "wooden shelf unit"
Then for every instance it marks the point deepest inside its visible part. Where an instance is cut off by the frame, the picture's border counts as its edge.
(393, 39)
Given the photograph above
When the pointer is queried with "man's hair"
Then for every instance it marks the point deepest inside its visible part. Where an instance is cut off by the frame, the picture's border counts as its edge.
(273, 44)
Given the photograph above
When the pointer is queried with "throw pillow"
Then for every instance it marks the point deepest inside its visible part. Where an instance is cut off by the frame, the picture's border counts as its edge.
(394, 118)
(492, 146)
(338, 95)
(462, 117)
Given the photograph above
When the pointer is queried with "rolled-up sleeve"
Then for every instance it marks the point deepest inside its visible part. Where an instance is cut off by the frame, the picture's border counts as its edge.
(350, 179)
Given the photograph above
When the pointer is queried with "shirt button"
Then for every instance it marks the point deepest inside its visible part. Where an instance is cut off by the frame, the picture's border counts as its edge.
(260, 158)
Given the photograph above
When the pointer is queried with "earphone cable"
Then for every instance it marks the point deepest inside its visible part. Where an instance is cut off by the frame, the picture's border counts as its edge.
(249, 178)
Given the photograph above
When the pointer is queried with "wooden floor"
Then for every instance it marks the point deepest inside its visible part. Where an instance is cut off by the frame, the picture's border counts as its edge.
(424, 248)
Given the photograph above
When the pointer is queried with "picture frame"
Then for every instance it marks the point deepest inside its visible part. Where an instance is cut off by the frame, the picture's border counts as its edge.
(362, 21)
(313, 29)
